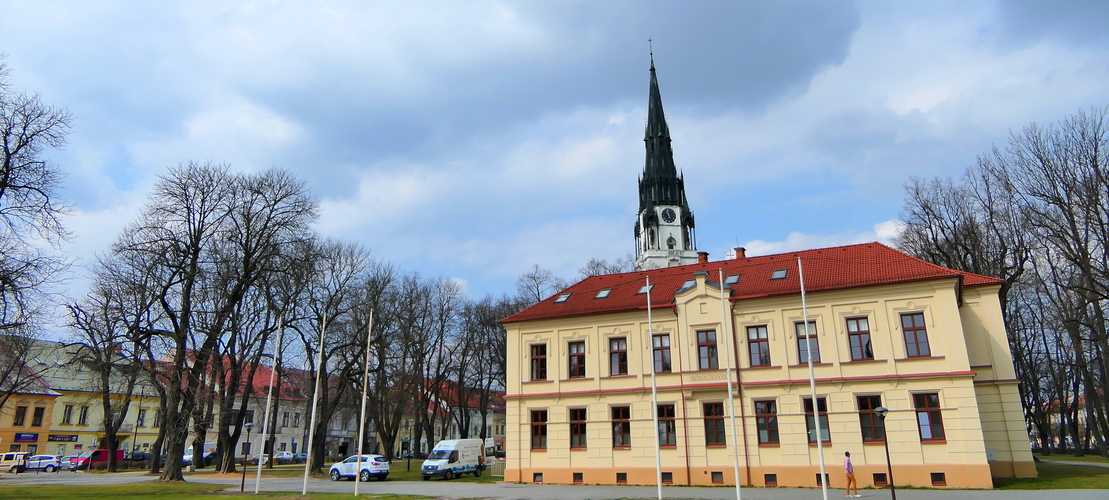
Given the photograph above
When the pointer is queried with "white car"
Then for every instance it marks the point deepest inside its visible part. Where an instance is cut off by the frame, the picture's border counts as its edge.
(283, 457)
(372, 466)
(47, 463)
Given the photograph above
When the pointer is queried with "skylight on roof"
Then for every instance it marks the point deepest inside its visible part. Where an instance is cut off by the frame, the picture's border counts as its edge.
(687, 285)
(562, 298)
(644, 289)
(603, 293)
(779, 274)
(731, 279)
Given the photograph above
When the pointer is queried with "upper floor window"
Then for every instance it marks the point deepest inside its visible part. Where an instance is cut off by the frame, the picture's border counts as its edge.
(706, 350)
(758, 344)
(67, 414)
(83, 417)
(618, 356)
(916, 335)
(577, 359)
(807, 340)
(858, 337)
(661, 349)
(36, 419)
(20, 415)
(539, 362)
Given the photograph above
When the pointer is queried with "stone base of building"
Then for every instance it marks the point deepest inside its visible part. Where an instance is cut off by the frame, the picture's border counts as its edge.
(960, 476)
(1013, 469)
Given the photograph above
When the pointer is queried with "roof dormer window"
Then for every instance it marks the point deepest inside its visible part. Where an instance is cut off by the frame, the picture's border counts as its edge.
(603, 293)
(562, 298)
(779, 274)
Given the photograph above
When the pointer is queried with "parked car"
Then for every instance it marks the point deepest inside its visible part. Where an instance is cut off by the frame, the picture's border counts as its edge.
(66, 462)
(300, 457)
(46, 463)
(13, 461)
(259, 459)
(283, 457)
(87, 459)
(373, 466)
(137, 456)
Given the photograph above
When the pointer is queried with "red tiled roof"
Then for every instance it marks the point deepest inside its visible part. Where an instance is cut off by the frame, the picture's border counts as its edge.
(826, 269)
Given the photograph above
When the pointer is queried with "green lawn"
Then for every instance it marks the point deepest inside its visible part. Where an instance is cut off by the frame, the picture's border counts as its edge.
(1055, 476)
(1072, 458)
(165, 491)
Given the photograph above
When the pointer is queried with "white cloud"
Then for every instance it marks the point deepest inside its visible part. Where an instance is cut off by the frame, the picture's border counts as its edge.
(883, 232)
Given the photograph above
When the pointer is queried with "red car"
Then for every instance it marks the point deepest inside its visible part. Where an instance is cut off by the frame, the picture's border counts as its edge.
(88, 458)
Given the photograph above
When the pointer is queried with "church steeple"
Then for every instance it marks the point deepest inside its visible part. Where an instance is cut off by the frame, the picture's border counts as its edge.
(664, 230)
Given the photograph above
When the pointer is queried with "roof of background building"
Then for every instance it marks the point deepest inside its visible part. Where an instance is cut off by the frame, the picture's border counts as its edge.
(826, 269)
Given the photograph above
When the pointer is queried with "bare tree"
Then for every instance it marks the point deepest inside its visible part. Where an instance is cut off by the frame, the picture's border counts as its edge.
(538, 284)
(30, 214)
(598, 267)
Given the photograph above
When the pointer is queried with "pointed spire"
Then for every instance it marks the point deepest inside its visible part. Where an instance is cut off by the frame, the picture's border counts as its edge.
(660, 157)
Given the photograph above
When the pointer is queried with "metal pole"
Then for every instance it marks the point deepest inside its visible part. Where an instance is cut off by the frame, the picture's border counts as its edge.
(724, 321)
(654, 393)
(246, 454)
(812, 383)
(889, 465)
(362, 419)
(269, 402)
(315, 405)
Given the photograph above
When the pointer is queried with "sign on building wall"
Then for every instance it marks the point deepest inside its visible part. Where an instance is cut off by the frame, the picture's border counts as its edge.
(26, 437)
(62, 438)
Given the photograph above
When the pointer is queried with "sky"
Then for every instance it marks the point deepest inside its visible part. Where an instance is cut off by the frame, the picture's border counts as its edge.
(473, 140)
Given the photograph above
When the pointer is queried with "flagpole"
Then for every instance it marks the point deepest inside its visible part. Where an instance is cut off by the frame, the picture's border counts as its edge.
(269, 404)
(812, 383)
(724, 321)
(315, 405)
(362, 419)
(654, 392)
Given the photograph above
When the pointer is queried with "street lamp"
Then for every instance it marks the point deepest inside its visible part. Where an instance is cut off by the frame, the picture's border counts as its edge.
(882, 411)
(246, 454)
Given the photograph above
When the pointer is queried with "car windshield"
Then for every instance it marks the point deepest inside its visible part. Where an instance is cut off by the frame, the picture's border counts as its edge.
(439, 454)
(84, 454)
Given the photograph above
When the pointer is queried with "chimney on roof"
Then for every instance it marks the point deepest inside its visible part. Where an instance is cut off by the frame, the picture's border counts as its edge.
(740, 253)
(702, 257)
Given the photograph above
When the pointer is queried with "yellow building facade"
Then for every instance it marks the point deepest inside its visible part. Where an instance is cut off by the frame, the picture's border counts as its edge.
(888, 330)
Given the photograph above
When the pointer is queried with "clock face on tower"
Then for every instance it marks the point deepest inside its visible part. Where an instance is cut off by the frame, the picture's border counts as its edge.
(668, 215)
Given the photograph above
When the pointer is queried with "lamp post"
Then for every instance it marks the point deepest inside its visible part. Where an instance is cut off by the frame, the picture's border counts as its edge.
(246, 454)
(882, 411)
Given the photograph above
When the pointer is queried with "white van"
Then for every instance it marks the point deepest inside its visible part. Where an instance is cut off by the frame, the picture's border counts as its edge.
(13, 461)
(453, 457)
(207, 451)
